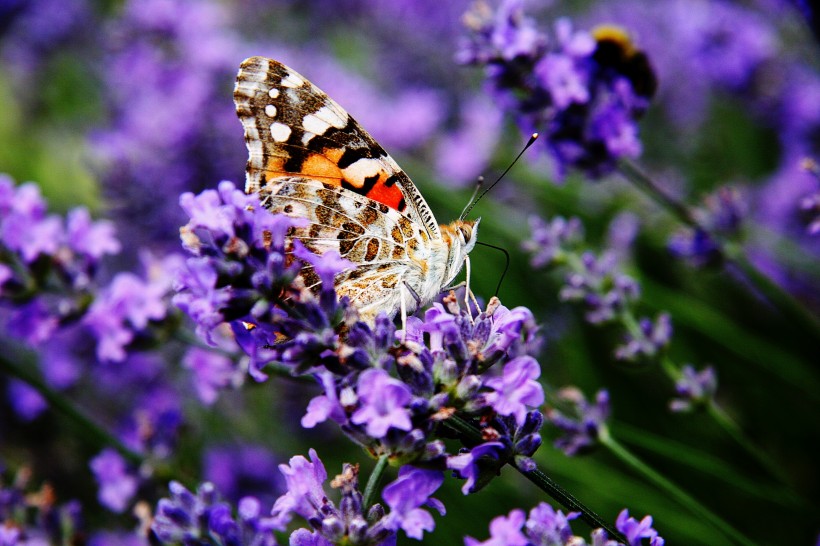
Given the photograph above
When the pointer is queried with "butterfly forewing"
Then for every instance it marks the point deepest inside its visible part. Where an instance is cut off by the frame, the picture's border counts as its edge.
(292, 128)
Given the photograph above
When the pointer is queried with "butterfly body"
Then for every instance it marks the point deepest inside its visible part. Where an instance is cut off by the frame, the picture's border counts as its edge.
(308, 158)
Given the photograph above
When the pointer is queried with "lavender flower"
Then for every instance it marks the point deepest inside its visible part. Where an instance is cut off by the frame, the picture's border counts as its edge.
(164, 77)
(405, 497)
(720, 219)
(583, 91)
(635, 530)
(548, 527)
(242, 470)
(597, 282)
(810, 204)
(648, 339)
(583, 423)
(603, 289)
(306, 497)
(694, 389)
(243, 274)
(117, 485)
(548, 241)
(211, 372)
(202, 518)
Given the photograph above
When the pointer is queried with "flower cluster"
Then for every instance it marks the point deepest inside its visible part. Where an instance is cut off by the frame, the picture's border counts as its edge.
(607, 294)
(546, 526)
(720, 219)
(582, 423)
(584, 91)
(47, 264)
(165, 67)
(390, 398)
(205, 517)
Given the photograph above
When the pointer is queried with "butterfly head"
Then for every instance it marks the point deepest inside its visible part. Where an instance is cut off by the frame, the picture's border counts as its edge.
(461, 236)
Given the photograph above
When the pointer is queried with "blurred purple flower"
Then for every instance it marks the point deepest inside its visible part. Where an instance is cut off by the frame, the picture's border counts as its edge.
(26, 402)
(117, 486)
(546, 525)
(548, 241)
(584, 91)
(650, 339)
(32, 30)
(582, 423)
(121, 311)
(242, 470)
(212, 372)
(164, 80)
(694, 389)
(186, 518)
(600, 286)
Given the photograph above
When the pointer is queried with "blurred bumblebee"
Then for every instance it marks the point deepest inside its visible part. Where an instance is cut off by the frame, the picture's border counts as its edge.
(616, 51)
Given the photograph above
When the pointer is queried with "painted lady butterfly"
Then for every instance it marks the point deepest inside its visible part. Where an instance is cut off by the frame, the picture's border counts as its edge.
(310, 159)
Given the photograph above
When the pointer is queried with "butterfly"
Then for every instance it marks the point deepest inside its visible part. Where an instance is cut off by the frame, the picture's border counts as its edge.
(308, 158)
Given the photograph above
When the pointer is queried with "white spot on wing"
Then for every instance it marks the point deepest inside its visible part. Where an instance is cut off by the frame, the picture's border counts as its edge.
(306, 136)
(273, 93)
(270, 111)
(361, 169)
(279, 131)
(292, 80)
(315, 125)
(334, 118)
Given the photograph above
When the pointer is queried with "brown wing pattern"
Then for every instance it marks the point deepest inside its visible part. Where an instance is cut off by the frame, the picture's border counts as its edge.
(292, 128)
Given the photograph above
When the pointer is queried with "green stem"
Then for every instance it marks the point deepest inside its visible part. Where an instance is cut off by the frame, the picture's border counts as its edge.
(471, 435)
(95, 433)
(730, 427)
(674, 491)
(373, 481)
(641, 180)
(782, 300)
(733, 430)
(568, 501)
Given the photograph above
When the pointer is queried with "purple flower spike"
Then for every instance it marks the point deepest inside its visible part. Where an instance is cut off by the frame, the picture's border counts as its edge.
(405, 497)
(384, 403)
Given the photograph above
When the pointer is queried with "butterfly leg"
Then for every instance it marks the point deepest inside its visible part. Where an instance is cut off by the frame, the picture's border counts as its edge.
(468, 294)
(406, 289)
(403, 307)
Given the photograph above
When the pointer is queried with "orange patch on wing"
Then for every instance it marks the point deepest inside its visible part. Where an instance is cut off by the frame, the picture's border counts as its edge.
(314, 166)
(386, 195)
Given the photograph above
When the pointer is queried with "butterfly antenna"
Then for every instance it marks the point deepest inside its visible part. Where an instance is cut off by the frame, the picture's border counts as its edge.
(514, 161)
(506, 264)
(479, 183)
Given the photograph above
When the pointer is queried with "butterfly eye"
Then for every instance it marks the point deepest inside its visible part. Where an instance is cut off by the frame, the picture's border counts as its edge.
(466, 232)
